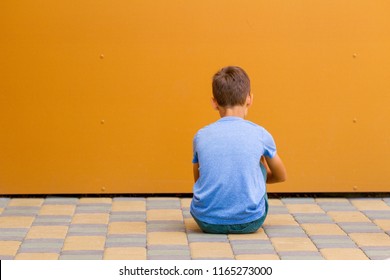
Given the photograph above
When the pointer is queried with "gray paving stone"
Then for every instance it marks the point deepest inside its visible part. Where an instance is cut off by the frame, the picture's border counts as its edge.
(6, 257)
(134, 216)
(278, 209)
(298, 200)
(168, 252)
(41, 246)
(242, 247)
(300, 255)
(332, 241)
(61, 201)
(93, 208)
(82, 255)
(377, 253)
(310, 218)
(359, 227)
(125, 240)
(204, 237)
(284, 231)
(13, 234)
(25, 211)
(213, 259)
(87, 230)
(186, 213)
(51, 220)
(387, 200)
(129, 199)
(170, 226)
(169, 257)
(337, 206)
(377, 215)
(365, 198)
(4, 202)
(163, 204)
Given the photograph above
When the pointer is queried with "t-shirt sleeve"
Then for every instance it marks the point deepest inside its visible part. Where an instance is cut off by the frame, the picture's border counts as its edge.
(269, 144)
(195, 153)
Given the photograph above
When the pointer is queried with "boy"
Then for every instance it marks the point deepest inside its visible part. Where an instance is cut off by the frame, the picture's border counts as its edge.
(233, 159)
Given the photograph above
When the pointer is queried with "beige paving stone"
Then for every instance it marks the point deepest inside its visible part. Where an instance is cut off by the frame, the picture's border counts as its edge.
(58, 232)
(304, 208)
(185, 202)
(9, 248)
(211, 250)
(288, 244)
(127, 228)
(363, 205)
(275, 202)
(164, 215)
(348, 216)
(191, 225)
(128, 206)
(37, 256)
(343, 254)
(331, 199)
(26, 202)
(95, 200)
(260, 234)
(79, 243)
(60, 210)
(127, 253)
(258, 257)
(16, 222)
(162, 198)
(323, 229)
(90, 218)
(371, 239)
(167, 238)
(280, 220)
(383, 224)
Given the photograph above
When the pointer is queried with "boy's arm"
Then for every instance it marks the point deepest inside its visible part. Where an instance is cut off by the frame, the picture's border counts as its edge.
(196, 171)
(276, 172)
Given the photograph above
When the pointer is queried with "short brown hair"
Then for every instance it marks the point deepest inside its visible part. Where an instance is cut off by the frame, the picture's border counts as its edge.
(231, 86)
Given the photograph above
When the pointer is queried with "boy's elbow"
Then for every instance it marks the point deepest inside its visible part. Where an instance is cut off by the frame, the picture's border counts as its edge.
(278, 178)
(283, 177)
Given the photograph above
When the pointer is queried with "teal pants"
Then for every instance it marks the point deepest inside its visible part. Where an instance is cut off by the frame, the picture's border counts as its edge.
(237, 228)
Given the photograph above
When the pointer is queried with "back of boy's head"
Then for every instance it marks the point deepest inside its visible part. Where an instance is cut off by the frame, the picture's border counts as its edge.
(231, 86)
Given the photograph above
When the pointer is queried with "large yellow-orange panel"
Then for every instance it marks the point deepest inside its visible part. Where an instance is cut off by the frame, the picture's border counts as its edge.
(101, 96)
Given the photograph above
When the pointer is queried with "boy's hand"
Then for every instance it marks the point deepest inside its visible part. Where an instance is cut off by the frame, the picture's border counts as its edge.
(196, 171)
(276, 172)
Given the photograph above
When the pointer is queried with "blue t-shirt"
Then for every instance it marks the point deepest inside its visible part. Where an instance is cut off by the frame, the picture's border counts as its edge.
(231, 186)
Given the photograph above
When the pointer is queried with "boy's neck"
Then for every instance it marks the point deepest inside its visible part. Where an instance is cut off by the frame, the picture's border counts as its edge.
(235, 111)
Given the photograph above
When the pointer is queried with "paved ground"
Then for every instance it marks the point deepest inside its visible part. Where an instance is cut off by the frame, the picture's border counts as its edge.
(162, 228)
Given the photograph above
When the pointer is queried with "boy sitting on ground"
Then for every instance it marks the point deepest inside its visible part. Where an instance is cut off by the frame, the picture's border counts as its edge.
(233, 160)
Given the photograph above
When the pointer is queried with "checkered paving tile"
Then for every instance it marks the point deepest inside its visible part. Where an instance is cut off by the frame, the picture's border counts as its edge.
(162, 228)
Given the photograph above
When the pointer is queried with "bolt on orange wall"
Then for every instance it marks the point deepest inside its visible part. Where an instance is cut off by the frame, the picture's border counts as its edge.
(105, 96)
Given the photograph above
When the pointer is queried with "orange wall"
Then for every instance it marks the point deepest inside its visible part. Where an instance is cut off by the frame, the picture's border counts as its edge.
(105, 96)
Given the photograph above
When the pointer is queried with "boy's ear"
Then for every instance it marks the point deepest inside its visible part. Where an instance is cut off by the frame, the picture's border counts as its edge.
(214, 103)
(249, 100)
